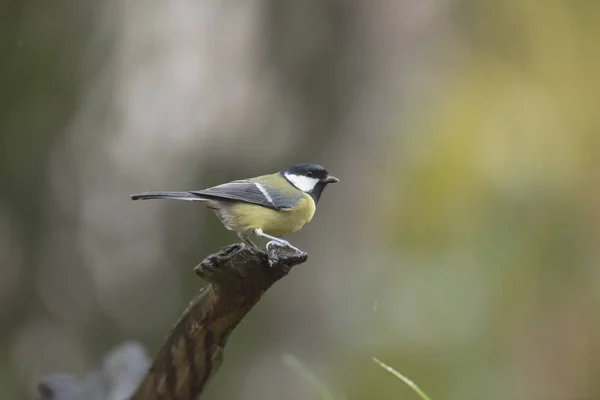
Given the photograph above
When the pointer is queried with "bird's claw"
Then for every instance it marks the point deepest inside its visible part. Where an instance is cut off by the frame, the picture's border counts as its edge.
(279, 252)
(281, 243)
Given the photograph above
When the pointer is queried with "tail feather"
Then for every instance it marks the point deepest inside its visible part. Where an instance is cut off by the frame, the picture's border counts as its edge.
(167, 195)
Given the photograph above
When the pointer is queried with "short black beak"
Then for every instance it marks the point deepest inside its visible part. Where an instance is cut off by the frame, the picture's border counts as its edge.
(331, 179)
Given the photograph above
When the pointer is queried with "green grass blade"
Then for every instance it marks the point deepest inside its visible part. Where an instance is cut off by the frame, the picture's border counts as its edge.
(404, 379)
(294, 363)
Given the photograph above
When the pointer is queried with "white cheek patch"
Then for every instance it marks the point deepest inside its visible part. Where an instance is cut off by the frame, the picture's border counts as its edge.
(304, 183)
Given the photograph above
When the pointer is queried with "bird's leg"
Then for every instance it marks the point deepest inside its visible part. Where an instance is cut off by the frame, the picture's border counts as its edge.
(247, 241)
(260, 233)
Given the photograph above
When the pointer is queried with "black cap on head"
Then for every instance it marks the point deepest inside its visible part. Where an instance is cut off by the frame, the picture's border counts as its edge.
(309, 170)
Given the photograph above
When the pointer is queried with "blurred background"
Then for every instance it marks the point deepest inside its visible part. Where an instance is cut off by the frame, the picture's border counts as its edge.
(461, 246)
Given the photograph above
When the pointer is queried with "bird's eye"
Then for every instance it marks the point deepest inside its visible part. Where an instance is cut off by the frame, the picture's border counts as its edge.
(311, 174)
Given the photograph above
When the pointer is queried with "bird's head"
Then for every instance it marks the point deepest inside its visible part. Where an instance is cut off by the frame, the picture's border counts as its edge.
(310, 178)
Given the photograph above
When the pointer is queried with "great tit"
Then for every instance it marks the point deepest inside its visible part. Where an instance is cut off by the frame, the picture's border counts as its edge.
(268, 206)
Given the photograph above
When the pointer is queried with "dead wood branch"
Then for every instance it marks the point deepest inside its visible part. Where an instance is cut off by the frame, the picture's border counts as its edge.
(191, 354)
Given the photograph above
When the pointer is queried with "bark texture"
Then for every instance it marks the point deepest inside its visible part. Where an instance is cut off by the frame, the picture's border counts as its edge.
(193, 351)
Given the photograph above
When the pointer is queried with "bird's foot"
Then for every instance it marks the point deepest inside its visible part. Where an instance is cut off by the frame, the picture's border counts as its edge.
(282, 243)
(278, 249)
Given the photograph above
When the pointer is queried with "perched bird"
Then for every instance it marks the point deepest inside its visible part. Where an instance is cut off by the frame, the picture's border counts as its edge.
(268, 206)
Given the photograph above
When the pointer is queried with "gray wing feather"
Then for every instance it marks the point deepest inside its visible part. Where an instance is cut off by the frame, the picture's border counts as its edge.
(248, 192)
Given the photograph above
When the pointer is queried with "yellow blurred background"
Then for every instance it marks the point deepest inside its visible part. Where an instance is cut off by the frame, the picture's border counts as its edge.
(460, 247)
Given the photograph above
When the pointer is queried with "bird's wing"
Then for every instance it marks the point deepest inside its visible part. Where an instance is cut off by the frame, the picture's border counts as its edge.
(248, 192)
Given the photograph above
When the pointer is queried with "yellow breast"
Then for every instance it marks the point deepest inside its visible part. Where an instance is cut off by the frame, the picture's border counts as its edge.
(244, 216)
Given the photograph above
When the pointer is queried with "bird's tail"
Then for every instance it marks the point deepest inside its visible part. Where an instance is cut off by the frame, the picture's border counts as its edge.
(166, 195)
